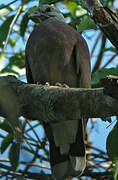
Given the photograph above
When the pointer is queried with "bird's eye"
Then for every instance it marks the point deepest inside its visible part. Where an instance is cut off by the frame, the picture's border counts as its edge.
(48, 9)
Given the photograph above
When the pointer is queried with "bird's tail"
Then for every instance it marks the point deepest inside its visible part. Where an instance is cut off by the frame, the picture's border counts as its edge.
(67, 149)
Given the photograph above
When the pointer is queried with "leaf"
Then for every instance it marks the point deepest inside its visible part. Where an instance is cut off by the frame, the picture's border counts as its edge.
(86, 23)
(111, 49)
(4, 30)
(23, 24)
(12, 42)
(6, 142)
(112, 149)
(17, 60)
(48, 1)
(9, 70)
(115, 169)
(81, 12)
(72, 6)
(2, 56)
(95, 78)
(112, 144)
(110, 177)
(32, 10)
(7, 10)
(14, 153)
(26, 1)
(4, 125)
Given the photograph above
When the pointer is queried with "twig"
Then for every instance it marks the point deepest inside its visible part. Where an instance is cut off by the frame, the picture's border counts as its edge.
(110, 60)
(95, 44)
(100, 56)
(32, 128)
(111, 123)
(11, 26)
(4, 6)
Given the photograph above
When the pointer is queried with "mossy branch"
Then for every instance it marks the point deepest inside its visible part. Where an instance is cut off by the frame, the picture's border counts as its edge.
(53, 103)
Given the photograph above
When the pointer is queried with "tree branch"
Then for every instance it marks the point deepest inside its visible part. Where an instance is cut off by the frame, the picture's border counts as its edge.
(100, 56)
(52, 103)
(111, 86)
(7, 5)
(106, 19)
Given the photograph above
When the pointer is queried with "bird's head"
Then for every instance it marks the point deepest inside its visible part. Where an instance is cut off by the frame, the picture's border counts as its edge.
(45, 12)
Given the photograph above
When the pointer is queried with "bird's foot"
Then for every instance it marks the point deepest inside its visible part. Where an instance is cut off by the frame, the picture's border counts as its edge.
(38, 83)
(47, 84)
(65, 85)
(62, 85)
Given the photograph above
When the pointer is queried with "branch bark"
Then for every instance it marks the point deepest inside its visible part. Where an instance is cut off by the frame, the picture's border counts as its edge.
(110, 84)
(106, 19)
(52, 103)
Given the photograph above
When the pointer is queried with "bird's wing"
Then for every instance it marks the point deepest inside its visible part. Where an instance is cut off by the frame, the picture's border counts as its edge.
(82, 60)
(28, 70)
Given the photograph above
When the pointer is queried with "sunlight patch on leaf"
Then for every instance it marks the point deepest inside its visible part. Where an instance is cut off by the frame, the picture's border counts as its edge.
(7, 10)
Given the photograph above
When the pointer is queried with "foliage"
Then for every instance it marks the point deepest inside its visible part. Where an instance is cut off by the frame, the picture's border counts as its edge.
(102, 73)
(15, 28)
(112, 150)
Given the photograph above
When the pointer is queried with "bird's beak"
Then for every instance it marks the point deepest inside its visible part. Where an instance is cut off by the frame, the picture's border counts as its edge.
(34, 15)
(37, 16)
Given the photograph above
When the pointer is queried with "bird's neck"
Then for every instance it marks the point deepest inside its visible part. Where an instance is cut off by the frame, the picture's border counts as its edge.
(55, 18)
(58, 18)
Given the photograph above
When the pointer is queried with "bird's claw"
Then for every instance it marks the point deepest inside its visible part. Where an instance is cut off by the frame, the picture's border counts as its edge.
(62, 85)
(47, 84)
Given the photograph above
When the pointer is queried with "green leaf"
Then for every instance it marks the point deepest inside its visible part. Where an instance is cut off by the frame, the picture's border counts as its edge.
(110, 177)
(86, 23)
(14, 153)
(4, 125)
(81, 12)
(6, 142)
(4, 30)
(12, 42)
(2, 56)
(115, 170)
(111, 49)
(18, 60)
(97, 76)
(72, 6)
(48, 1)
(26, 1)
(32, 10)
(15, 60)
(9, 70)
(22, 178)
(112, 144)
(7, 10)
(23, 24)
